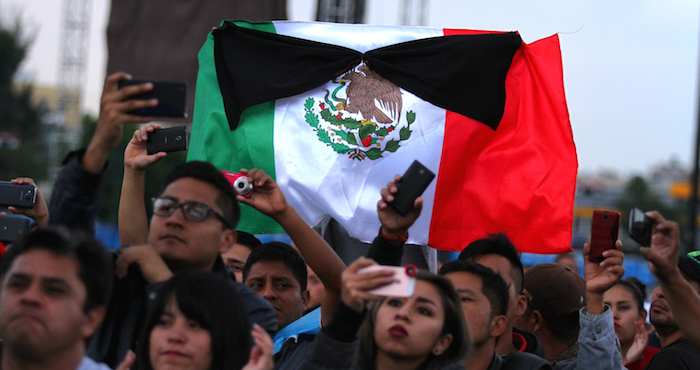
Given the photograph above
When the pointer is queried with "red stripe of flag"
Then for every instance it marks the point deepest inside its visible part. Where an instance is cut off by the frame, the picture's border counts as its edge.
(520, 179)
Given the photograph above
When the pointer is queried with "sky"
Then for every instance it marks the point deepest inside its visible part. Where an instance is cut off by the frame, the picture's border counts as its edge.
(630, 66)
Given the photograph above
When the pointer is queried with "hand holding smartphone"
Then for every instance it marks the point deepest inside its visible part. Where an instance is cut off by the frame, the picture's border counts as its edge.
(604, 233)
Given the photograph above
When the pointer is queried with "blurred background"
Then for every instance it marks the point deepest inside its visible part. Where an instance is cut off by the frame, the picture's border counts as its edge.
(630, 71)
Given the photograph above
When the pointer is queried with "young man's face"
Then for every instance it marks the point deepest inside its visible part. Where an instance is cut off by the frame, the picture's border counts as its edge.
(475, 305)
(505, 269)
(188, 243)
(274, 281)
(234, 258)
(42, 306)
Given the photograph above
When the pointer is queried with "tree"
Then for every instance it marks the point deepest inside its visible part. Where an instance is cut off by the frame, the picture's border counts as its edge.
(22, 144)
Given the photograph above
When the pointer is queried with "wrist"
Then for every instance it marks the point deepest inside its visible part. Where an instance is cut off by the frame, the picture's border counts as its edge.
(594, 303)
(671, 276)
(285, 216)
(394, 235)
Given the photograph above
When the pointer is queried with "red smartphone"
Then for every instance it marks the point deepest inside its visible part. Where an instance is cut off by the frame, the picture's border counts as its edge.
(604, 231)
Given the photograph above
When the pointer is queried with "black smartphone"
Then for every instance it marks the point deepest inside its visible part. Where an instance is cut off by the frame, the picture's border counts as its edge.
(17, 195)
(14, 226)
(412, 184)
(171, 139)
(171, 98)
(640, 227)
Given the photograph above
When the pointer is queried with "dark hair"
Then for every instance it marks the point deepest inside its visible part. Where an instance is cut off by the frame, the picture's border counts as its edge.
(637, 289)
(454, 325)
(278, 252)
(500, 245)
(207, 173)
(213, 303)
(94, 262)
(492, 284)
(564, 327)
(247, 239)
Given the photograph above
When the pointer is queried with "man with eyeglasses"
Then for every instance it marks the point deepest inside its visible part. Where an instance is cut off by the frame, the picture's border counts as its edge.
(193, 220)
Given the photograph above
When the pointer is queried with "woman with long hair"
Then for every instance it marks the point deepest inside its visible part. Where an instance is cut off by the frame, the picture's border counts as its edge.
(198, 322)
(626, 298)
(423, 331)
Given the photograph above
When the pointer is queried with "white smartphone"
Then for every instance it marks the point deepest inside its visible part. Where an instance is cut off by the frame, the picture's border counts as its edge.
(403, 285)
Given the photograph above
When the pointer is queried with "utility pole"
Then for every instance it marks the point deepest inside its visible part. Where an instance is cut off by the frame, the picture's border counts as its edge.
(340, 11)
(414, 12)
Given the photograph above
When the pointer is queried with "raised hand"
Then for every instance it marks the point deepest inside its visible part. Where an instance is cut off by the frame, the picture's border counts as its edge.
(127, 362)
(356, 285)
(641, 339)
(114, 107)
(261, 353)
(393, 224)
(665, 247)
(266, 196)
(40, 211)
(602, 276)
(135, 155)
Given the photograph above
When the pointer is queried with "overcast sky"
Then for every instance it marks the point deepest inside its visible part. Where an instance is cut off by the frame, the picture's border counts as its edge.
(630, 66)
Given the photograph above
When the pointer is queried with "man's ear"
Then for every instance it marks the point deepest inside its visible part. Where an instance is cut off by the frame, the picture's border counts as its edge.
(520, 304)
(93, 319)
(305, 296)
(442, 344)
(499, 324)
(536, 321)
(228, 239)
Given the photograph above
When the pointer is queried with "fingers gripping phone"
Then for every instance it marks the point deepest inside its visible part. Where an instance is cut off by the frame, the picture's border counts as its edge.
(403, 285)
(171, 98)
(171, 139)
(17, 195)
(640, 227)
(412, 184)
(604, 232)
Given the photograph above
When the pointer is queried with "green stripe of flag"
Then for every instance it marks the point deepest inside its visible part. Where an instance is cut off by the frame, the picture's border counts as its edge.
(251, 145)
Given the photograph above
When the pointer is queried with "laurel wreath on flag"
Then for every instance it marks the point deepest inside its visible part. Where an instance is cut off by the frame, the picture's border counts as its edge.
(359, 139)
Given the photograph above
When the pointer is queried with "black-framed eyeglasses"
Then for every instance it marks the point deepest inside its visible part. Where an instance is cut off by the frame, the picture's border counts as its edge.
(191, 210)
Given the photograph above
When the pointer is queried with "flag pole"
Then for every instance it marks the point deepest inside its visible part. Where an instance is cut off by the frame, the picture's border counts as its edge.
(693, 223)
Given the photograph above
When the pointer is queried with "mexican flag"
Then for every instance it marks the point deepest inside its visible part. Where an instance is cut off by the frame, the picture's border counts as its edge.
(333, 112)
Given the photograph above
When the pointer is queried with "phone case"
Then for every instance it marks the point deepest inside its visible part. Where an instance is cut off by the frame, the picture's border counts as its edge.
(171, 139)
(412, 184)
(13, 226)
(403, 286)
(17, 195)
(171, 98)
(604, 232)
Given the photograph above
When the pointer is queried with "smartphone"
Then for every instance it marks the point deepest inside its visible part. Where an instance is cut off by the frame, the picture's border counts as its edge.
(17, 195)
(14, 226)
(605, 229)
(171, 139)
(403, 286)
(171, 98)
(412, 184)
(640, 227)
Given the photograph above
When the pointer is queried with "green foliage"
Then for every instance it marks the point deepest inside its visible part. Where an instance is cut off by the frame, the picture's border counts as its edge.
(18, 117)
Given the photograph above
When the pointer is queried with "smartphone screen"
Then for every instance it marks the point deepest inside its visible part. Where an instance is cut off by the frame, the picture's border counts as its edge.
(604, 233)
(171, 98)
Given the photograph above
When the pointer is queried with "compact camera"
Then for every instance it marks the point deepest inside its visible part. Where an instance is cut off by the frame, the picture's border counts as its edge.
(240, 181)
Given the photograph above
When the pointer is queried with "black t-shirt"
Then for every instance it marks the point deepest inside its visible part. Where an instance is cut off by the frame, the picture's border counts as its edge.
(678, 355)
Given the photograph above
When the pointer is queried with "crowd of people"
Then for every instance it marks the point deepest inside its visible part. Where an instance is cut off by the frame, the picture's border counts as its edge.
(187, 290)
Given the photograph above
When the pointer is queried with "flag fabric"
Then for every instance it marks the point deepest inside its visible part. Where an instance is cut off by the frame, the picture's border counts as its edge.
(333, 112)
